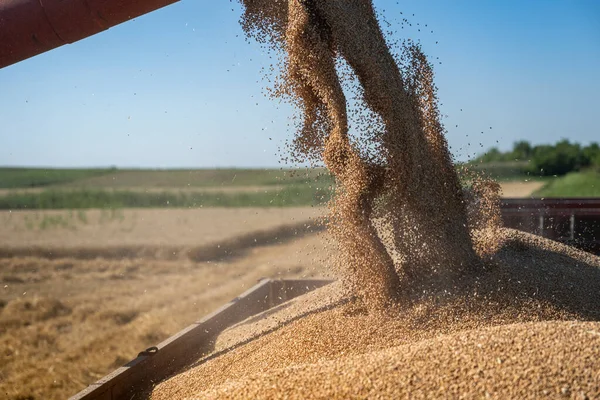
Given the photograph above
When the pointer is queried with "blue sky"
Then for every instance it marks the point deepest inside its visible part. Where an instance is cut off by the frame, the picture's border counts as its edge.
(182, 87)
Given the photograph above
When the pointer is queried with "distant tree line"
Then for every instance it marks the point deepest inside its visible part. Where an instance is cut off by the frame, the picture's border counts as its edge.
(547, 160)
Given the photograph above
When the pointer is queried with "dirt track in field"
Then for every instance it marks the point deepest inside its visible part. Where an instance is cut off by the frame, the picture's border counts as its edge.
(519, 189)
(67, 321)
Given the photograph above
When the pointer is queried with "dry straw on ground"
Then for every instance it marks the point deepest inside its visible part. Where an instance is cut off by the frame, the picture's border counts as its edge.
(74, 312)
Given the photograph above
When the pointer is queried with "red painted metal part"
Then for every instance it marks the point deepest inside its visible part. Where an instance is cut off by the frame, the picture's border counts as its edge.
(575, 221)
(31, 27)
(564, 203)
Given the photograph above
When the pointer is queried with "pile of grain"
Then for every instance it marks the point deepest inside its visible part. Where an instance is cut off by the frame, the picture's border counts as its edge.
(487, 335)
(513, 361)
(437, 299)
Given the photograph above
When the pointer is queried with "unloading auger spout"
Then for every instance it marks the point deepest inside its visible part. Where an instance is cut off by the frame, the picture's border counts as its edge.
(32, 27)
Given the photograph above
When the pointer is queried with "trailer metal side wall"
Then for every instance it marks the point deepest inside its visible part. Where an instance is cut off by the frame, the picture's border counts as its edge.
(135, 379)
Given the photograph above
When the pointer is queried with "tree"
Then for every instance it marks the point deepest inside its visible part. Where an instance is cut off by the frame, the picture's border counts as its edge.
(522, 150)
(492, 155)
(559, 159)
(591, 155)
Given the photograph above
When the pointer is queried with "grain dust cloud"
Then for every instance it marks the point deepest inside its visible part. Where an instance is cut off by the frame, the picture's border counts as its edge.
(398, 177)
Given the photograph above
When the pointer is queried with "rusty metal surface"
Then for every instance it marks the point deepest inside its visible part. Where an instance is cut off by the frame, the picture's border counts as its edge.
(133, 380)
(31, 27)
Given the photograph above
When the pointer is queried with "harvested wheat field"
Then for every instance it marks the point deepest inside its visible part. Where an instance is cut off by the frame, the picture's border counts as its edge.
(141, 227)
(526, 328)
(71, 312)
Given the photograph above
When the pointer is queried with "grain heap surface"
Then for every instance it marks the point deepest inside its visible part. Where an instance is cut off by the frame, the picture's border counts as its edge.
(518, 361)
(487, 336)
(436, 298)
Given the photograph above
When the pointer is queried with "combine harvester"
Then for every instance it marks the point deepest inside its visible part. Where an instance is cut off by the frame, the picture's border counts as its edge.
(31, 27)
